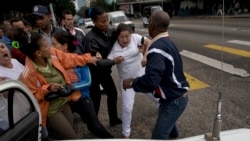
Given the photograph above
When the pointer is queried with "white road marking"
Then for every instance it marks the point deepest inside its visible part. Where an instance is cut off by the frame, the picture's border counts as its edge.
(247, 43)
(215, 63)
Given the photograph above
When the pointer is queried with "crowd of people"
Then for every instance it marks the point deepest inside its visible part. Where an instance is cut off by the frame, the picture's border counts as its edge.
(65, 70)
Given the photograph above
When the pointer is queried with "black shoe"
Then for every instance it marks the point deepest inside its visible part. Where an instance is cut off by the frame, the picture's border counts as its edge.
(115, 122)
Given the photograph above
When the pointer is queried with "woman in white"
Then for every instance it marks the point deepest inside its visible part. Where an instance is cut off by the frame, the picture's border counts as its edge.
(132, 47)
(10, 69)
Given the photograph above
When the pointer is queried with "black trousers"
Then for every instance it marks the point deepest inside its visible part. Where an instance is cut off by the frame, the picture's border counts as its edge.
(85, 108)
(105, 79)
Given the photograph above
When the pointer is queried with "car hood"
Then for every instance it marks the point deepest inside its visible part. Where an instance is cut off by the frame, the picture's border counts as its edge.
(125, 22)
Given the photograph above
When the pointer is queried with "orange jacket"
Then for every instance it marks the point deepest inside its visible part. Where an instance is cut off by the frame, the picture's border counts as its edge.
(38, 85)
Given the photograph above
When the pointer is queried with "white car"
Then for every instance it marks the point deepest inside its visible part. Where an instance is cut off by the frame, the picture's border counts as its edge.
(117, 17)
(88, 23)
(20, 117)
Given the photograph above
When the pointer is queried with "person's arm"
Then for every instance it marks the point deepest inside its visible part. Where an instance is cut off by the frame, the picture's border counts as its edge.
(109, 62)
(152, 77)
(146, 44)
(91, 46)
(32, 82)
(111, 59)
(70, 60)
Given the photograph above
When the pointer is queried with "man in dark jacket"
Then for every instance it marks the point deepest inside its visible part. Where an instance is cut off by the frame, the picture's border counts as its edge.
(68, 20)
(101, 39)
(164, 77)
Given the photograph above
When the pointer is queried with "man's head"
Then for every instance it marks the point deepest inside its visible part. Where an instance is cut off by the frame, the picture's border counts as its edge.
(7, 29)
(158, 23)
(100, 19)
(5, 57)
(42, 16)
(18, 23)
(68, 19)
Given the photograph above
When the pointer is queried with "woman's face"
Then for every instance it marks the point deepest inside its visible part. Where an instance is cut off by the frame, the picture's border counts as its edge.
(44, 50)
(5, 57)
(124, 38)
(58, 45)
(102, 22)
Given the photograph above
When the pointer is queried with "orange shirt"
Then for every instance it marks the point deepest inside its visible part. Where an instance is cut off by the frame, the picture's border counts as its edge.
(38, 85)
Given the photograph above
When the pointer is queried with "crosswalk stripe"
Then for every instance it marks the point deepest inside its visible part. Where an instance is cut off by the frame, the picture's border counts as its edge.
(239, 42)
(215, 63)
(195, 83)
(229, 50)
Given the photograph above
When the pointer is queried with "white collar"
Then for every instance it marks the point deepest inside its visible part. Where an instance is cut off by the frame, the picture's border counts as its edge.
(163, 34)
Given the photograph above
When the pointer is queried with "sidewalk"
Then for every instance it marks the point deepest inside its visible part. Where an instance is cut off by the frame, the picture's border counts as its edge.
(242, 15)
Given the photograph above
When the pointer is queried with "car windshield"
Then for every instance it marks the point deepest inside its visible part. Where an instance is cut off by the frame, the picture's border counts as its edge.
(119, 19)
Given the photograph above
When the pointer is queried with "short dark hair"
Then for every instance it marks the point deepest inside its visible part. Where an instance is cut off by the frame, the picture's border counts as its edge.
(65, 12)
(96, 12)
(123, 27)
(64, 37)
(15, 19)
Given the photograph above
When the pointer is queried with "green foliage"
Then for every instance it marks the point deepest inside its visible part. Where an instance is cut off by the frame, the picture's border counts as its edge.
(99, 3)
(10, 8)
(81, 12)
(60, 5)
(102, 4)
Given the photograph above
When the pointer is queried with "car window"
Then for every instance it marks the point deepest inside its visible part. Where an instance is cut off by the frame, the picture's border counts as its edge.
(4, 122)
(17, 104)
(88, 20)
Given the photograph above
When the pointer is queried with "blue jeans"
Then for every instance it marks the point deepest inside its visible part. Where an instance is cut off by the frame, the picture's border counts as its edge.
(169, 112)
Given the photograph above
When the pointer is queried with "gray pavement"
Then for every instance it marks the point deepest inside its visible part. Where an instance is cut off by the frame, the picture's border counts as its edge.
(242, 15)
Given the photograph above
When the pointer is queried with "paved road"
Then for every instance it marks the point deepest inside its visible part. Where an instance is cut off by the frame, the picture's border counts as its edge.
(199, 115)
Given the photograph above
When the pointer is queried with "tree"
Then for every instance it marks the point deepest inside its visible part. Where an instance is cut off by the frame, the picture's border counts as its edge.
(99, 3)
(10, 7)
(81, 12)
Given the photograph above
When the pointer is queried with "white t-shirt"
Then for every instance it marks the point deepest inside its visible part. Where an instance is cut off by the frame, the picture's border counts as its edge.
(12, 73)
(21, 105)
(131, 65)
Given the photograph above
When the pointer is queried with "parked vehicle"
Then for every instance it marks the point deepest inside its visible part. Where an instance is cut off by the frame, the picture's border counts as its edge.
(88, 23)
(147, 11)
(80, 22)
(117, 17)
(20, 117)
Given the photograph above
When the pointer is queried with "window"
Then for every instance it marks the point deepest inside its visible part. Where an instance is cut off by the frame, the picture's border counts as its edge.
(18, 105)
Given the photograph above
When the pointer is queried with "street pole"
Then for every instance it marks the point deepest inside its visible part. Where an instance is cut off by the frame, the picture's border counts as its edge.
(53, 15)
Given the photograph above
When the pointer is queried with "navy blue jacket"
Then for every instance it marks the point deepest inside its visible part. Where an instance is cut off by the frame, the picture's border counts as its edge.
(164, 75)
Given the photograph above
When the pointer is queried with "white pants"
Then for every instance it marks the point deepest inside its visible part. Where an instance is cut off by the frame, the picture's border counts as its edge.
(128, 98)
